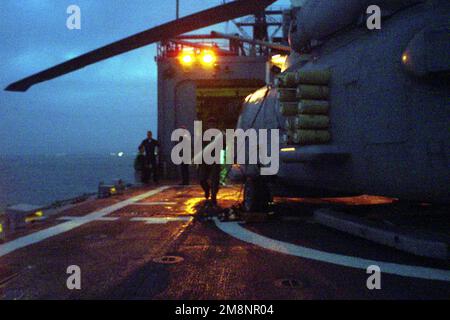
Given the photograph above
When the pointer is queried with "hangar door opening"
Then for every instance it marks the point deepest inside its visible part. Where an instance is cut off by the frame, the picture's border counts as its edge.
(223, 100)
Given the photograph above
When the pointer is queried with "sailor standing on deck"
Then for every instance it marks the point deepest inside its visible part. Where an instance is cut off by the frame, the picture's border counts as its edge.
(151, 146)
(209, 174)
(141, 167)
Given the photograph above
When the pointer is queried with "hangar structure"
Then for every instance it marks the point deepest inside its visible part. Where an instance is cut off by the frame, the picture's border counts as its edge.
(200, 76)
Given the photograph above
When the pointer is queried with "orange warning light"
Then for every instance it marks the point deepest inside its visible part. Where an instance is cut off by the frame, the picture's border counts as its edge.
(187, 58)
(208, 58)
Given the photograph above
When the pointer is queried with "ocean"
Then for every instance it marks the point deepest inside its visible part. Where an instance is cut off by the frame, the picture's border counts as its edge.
(41, 180)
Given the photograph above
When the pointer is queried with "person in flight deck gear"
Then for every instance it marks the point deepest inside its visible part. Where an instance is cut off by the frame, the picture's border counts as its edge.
(151, 146)
(184, 168)
(210, 171)
(141, 168)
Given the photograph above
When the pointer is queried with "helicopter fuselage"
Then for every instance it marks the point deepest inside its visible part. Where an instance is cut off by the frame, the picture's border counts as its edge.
(389, 113)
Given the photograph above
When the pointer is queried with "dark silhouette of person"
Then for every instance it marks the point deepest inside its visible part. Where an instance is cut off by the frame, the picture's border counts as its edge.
(151, 146)
(141, 166)
(209, 174)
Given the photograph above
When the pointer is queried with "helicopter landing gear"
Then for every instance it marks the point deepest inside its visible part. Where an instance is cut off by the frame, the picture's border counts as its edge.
(256, 195)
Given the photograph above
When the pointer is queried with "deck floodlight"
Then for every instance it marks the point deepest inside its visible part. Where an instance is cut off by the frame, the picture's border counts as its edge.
(208, 58)
(187, 58)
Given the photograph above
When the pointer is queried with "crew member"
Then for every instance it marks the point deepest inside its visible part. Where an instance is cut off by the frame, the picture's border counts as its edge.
(151, 146)
(210, 172)
(141, 167)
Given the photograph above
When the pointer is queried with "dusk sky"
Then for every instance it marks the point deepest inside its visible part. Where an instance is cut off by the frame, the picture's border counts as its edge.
(103, 108)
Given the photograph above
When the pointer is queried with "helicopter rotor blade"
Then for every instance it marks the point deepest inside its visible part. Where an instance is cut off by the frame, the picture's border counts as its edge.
(219, 14)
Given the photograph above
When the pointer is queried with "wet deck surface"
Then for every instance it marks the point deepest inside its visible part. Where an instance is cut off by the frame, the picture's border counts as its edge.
(116, 251)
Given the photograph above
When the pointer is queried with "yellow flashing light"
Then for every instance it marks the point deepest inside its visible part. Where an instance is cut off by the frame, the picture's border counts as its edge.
(208, 58)
(187, 59)
(288, 150)
(187, 56)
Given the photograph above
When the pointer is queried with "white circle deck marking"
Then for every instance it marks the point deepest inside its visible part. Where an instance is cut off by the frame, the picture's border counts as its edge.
(67, 226)
(236, 231)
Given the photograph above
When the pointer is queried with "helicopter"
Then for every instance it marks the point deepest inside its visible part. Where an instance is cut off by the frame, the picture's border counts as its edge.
(360, 111)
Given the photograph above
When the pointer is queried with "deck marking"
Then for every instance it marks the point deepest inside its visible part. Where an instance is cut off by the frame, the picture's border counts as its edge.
(160, 220)
(235, 230)
(154, 203)
(83, 218)
(67, 226)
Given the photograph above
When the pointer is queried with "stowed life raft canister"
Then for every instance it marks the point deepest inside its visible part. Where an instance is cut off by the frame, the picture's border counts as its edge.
(303, 97)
